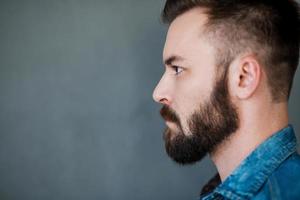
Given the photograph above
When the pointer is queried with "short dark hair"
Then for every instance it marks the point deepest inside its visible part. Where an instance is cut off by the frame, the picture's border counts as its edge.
(268, 28)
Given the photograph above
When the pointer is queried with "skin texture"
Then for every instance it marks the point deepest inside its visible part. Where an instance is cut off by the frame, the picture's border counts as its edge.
(191, 84)
(198, 73)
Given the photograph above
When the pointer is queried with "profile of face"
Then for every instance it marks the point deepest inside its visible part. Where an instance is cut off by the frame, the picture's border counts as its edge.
(197, 106)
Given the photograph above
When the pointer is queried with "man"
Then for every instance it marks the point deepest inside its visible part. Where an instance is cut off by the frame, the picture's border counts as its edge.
(229, 70)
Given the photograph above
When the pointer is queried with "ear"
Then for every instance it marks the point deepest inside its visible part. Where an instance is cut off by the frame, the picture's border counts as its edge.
(246, 76)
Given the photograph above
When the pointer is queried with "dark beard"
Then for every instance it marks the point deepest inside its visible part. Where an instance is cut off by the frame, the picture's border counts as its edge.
(215, 121)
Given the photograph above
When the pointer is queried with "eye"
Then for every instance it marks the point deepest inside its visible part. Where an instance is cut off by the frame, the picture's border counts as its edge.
(177, 69)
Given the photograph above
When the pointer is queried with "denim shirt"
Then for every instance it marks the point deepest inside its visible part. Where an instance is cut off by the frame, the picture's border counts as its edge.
(271, 171)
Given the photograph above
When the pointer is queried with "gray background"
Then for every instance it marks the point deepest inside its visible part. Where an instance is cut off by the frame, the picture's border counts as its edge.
(77, 120)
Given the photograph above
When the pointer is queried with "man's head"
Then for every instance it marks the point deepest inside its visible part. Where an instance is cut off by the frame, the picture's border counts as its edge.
(217, 55)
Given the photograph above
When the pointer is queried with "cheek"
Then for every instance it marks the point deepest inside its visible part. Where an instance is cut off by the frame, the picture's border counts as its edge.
(192, 92)
(188, 98)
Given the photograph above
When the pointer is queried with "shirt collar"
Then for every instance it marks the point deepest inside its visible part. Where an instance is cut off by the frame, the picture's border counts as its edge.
(250, 175)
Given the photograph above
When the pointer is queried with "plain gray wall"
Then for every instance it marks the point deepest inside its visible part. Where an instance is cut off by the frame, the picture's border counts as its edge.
(77, 119)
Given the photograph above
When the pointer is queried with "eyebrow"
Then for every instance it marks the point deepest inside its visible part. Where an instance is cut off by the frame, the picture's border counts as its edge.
(172, 59)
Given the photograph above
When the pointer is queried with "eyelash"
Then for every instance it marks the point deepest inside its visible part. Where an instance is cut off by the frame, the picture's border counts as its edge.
(176, 69)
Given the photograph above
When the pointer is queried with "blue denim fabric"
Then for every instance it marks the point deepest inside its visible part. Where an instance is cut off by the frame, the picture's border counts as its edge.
(271, 171)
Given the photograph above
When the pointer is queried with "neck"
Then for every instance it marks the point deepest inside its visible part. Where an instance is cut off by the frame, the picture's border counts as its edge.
(251, 133)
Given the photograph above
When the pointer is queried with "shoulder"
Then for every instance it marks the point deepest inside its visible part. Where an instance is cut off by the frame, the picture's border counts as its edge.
(284, 182)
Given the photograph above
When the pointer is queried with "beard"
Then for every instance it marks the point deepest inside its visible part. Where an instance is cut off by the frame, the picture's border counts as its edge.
(210, 125)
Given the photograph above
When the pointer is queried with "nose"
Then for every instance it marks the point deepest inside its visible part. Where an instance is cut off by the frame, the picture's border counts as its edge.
(161, 94)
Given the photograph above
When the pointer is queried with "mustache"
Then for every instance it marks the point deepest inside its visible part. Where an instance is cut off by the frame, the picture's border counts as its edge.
(169, 115)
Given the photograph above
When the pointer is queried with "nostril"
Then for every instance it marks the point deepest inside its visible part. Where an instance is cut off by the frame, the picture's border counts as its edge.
(164, 101)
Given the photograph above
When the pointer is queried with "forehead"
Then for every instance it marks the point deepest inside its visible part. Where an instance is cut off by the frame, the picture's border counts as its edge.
(185, 33)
